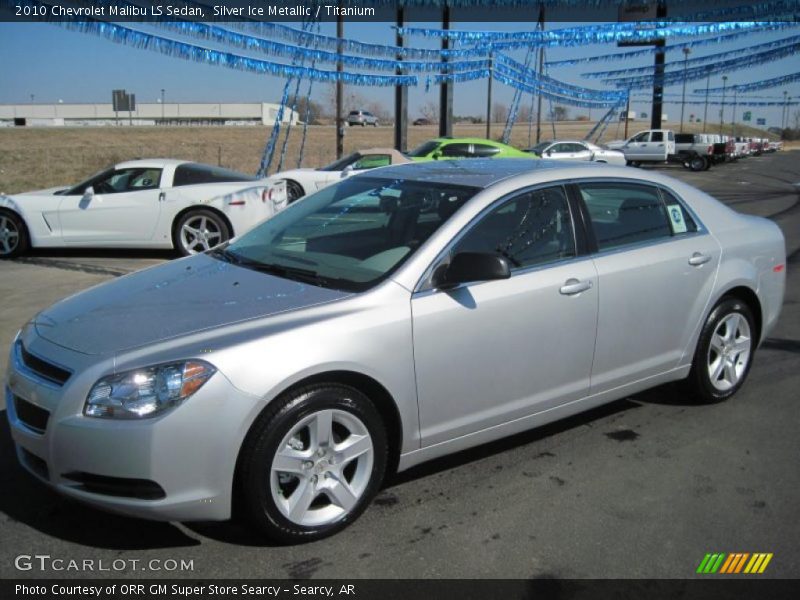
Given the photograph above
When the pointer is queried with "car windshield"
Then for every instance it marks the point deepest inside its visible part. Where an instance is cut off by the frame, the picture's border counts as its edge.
(339, 165)
(424, 149)
(539, 148)
(348, 236)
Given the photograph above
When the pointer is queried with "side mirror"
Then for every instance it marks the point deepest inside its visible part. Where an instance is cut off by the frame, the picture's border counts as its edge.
(436, 155)
(347, 171)
(549, 153)
(471, 266)
(88, 193)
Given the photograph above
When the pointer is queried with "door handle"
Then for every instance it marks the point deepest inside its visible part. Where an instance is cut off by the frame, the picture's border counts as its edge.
(162, 196)
(573, 286)
(698, 259)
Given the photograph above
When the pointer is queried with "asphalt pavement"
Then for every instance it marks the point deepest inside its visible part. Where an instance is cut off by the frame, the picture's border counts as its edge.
(641, 488)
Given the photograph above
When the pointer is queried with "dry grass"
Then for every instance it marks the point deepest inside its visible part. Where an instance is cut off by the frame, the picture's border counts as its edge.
(34, 158)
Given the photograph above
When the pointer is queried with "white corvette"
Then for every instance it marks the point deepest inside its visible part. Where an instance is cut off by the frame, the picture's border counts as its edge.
(300, 182)
(154, 203)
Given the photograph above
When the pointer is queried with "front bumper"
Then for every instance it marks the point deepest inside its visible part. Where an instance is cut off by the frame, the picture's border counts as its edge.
(189, 454)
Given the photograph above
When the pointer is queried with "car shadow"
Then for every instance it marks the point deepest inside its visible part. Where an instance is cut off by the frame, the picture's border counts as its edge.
(26, 500)
(123, 253)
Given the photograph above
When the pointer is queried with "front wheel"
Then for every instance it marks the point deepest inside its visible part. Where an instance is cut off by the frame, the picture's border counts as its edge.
(13, 235)
(198, 231)
(724, 352)
(312, 463)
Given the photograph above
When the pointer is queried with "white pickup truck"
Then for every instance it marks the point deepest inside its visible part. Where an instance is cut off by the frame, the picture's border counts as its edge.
(658, 146)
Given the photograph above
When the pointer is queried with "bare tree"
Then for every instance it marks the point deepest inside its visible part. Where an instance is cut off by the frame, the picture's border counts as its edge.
(524, 113)
(499, 112)
(430, 111)
(559, 113)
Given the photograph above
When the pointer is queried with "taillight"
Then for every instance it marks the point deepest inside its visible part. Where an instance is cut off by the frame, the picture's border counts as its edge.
(778, 268)
(266, 195)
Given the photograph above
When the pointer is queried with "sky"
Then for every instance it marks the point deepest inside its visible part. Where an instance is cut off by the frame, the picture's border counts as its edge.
(55, 64)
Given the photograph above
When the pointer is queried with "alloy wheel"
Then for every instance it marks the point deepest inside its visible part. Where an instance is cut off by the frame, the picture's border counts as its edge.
(729, 352)
(9, 235)
(200, 233)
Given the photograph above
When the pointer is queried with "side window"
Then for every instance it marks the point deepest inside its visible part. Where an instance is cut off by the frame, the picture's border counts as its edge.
(577, 148)
(372, 161)
(456, 150)
(531, 229)
(641, 137)
(658, 136)
(680, 221)
(670, 136)
(485, 151)
(625, 213)
(128, 180)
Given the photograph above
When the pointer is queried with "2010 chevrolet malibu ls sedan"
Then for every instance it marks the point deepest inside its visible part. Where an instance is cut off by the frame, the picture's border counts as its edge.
(386, 320)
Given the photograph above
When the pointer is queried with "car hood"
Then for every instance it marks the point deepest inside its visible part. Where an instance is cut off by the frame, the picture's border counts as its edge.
(171, 300)
(47, 192)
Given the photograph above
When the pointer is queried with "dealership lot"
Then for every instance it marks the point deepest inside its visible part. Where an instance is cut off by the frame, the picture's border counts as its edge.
(641, 488)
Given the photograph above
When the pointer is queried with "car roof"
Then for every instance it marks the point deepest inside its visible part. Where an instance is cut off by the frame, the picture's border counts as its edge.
(477, 172)
(471, 140)
(151, 162)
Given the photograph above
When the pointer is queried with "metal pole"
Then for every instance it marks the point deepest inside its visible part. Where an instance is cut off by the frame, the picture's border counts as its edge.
(658, 76)
(686, 53)
(339, 88)
(722, 108)
(539, 73)
(400, 95)
(705, 111)
(446, 87)
(735, 98)
(784, 111)
(489, 101)
(627, 114)
(162, 105)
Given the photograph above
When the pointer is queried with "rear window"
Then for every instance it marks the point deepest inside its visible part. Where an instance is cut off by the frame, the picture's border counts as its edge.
(195, 173)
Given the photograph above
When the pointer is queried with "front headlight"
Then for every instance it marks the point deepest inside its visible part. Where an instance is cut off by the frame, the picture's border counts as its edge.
(146, 392)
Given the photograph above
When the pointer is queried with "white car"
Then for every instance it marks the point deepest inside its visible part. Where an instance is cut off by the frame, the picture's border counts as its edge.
(153, 203)
(300, 182)
(577, 150)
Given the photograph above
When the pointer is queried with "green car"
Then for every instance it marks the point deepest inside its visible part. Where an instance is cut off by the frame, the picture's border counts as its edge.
(449, 148)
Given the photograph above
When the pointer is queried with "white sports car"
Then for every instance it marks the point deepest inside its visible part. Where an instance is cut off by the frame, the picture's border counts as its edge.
(300, 182)
(153, 203)
(577, 150)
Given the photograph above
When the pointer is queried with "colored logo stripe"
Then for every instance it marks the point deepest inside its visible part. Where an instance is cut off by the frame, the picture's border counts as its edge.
(735, 563)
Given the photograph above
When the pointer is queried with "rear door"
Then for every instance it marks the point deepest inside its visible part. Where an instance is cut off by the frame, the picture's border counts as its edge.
(656, 267)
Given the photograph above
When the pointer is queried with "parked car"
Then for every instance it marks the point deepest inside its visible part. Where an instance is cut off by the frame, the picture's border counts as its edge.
(423, 121)
(362, 117)
(698, 151)
(300, 182)
(449, 148)
(297, 366)
(152, 203)
(577, 150)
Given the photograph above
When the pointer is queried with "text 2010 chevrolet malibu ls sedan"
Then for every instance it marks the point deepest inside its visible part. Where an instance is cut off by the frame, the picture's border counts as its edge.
(386, 320)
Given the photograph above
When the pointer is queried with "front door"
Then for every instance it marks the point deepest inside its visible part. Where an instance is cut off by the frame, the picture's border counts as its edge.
(490, 352)
(124, 207)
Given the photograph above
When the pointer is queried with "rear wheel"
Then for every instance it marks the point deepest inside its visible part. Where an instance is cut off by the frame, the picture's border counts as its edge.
(698, 163)
(200, 230)
(294, 191)
(13, 235)
(312, 463)
(724, 352)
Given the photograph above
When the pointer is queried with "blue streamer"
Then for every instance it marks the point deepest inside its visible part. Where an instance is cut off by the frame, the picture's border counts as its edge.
(764, 84)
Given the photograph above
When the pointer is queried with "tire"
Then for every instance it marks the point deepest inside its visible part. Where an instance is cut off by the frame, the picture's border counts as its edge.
(724, 352)
(14, 239)
(199, 230)
(697, 163)
(294, 191)
(282, 457)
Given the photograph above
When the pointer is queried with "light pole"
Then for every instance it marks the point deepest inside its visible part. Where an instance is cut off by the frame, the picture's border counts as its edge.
(162, 105)
(733, 121)
(705, 111)
(722, 108)
(784, 111)
(686, 52)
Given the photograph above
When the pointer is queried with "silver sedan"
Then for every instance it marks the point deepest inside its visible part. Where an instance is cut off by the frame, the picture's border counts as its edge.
(578, 150)
(387, 320)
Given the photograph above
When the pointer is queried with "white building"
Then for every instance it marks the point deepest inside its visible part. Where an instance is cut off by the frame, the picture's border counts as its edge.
(190, 113)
